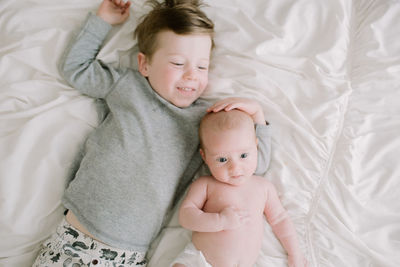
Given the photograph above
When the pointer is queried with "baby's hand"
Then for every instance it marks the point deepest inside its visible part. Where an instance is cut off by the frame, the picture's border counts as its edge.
(233, 218)
(297, 261)
(114, 11)
(247, 105)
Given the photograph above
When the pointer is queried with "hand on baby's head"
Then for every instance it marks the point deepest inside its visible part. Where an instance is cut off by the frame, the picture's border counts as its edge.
(249, 106)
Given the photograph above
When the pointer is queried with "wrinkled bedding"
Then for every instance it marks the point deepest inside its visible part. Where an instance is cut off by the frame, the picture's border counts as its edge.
(327, 74)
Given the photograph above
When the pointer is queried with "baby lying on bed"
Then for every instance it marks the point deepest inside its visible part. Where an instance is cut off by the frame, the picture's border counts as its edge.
(226, 211)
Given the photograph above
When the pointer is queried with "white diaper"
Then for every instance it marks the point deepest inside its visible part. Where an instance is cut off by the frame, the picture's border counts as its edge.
(191, 257)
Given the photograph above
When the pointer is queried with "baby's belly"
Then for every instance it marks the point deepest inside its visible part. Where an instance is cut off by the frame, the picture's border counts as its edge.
(239, 247)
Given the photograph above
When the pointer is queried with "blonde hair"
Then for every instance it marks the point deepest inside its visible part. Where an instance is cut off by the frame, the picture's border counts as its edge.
(180, 16)
(224, 120)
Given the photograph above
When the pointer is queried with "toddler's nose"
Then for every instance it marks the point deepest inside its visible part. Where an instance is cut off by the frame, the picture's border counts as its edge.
(190, 74)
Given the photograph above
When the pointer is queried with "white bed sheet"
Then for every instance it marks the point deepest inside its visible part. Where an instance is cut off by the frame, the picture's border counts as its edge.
(327, 74)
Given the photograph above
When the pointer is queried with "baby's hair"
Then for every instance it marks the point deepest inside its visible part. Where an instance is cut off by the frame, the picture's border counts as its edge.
(224, 120)
(180, 16)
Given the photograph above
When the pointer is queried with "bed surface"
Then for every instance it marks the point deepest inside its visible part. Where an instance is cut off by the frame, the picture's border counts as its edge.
(327, 74)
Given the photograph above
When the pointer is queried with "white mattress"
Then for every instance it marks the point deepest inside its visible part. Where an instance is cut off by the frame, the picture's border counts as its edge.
(327, 74)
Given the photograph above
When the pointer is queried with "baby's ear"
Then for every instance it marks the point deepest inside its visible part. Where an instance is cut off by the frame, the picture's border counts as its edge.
(202, 154)
(142, 64)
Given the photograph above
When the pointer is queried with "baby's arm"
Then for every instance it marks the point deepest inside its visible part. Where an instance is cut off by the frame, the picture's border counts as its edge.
(79, 65)
(253, 108)
(283, 227)
(192, 217)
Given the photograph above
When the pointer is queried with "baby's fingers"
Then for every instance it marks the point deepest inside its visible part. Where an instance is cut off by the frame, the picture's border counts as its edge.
(244, 216)
(242, 213)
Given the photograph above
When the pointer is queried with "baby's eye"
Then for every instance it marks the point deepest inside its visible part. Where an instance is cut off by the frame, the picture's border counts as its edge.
(222, 160)
(244, 155)
(177, 64)
(202, 68)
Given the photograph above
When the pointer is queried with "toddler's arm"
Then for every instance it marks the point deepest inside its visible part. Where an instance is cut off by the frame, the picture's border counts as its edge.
(247, 105)
(254, 109)
(114, 11)
(79, 65)
(283, 227)
(192, 217)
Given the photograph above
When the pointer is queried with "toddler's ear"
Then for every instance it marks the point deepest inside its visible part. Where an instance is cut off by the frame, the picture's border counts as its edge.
(142, 64)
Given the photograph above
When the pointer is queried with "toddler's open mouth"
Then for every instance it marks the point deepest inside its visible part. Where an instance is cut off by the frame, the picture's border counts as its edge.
(186, 89)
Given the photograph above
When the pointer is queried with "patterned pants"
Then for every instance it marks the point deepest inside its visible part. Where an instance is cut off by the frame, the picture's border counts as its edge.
(70, 247)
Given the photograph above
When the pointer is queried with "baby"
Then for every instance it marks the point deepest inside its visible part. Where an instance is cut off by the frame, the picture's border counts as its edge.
(226, 211)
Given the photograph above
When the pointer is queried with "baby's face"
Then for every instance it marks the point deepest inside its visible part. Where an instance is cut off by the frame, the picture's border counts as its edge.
(178, 70)
(231, 155)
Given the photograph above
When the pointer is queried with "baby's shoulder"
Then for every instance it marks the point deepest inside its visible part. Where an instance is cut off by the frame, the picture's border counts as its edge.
(203, 180)
(263, 182)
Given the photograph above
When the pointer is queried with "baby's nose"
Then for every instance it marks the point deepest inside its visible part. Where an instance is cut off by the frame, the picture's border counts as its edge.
(234, 168)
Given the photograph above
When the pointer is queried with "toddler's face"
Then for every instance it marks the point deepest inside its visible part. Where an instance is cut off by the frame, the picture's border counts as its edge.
(178, 70)
(231, 155)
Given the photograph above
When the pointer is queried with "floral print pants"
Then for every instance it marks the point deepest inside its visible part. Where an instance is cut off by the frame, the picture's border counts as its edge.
(70, 247)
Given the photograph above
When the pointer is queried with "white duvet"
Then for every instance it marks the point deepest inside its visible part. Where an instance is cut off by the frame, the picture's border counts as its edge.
(327, 73)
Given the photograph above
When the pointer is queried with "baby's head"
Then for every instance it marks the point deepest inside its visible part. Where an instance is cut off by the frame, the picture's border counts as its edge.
(175, 41)
(228, 145)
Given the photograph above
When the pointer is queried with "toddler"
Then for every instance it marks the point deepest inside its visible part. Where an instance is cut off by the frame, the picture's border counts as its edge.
(145, 151)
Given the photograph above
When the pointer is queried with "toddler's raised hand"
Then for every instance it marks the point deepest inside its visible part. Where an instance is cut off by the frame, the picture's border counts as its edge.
(233, 218)
(250, 106)
(114, 11)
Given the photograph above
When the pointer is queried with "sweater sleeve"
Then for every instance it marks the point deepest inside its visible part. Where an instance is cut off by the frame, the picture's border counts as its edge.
(263, 133)
(79, 65)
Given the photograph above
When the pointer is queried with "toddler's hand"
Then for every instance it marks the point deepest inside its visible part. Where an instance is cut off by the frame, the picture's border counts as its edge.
(233, 218)
(114, 11)
(247, 105)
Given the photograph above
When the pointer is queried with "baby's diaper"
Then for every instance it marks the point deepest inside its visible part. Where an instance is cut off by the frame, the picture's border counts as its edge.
(191, 257)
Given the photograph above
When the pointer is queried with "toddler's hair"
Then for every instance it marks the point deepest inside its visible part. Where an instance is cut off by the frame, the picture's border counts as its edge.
(180, 16)
(224, 120)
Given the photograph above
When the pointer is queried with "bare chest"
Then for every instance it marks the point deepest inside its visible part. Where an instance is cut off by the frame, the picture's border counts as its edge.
(250, 197)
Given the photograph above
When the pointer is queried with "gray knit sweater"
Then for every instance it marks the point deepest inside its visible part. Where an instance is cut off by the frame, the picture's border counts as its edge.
(136, 159)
